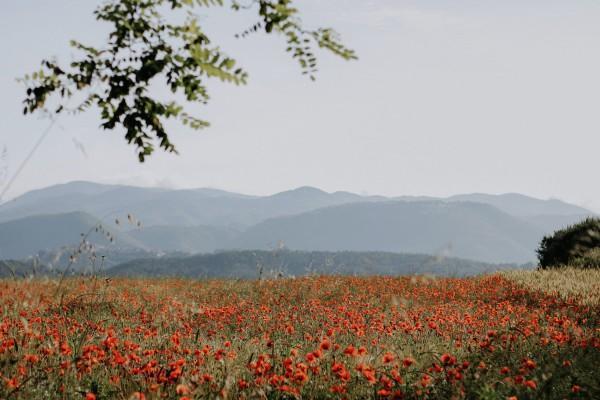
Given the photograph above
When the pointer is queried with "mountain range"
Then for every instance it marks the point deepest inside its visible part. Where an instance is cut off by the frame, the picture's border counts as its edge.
(482, 227)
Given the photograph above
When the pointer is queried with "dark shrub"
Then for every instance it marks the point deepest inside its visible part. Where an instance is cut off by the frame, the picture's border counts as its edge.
(573, 243)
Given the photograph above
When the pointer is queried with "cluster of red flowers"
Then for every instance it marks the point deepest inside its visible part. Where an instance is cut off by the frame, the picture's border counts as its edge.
(335, 337)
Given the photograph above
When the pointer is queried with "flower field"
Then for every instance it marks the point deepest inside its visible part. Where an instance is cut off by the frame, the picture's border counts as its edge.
(486, 337)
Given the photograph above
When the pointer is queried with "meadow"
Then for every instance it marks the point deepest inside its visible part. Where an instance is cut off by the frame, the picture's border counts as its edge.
(499, 336)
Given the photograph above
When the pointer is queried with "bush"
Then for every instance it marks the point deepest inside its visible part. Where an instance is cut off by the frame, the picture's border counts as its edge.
(577, 244)
(590, 259)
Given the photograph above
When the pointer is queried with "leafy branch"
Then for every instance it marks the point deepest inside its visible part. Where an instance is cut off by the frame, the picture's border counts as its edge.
(144, 48)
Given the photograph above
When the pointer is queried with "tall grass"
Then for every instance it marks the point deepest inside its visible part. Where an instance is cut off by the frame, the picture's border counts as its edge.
(569, 283)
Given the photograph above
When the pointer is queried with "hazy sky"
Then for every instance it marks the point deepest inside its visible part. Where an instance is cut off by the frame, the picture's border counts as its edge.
(447, 97)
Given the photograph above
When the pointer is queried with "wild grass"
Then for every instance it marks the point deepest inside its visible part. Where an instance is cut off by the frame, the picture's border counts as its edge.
(571, 284)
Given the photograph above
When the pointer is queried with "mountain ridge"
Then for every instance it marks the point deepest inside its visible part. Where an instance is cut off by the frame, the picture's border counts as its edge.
(84, 192)
(401, 227)
(501, 228)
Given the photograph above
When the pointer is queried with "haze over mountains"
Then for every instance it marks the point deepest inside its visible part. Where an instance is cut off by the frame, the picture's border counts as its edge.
(488, 228)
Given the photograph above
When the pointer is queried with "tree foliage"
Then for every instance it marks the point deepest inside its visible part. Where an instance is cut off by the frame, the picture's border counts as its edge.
(574, 245)
(145, 48)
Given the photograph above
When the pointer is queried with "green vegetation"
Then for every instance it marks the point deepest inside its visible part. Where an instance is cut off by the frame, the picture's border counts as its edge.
(145, 48)
(243, 264)
(576, 245)
(256, 264)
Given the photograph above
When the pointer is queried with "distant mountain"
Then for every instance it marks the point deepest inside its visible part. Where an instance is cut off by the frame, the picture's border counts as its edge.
(101, 201)
(190, 239)
(194, 207)
(524, 206)
(461, 229)
(25, 237)
(255, 264)
(52, 238)
(63, 190)
(20, 269)
(495, 228)
(163, 207)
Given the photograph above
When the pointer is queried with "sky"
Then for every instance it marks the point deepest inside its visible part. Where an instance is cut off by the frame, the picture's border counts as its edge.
(447, 97)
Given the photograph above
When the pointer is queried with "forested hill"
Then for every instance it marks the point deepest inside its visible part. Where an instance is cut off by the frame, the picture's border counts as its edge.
(254, 264)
